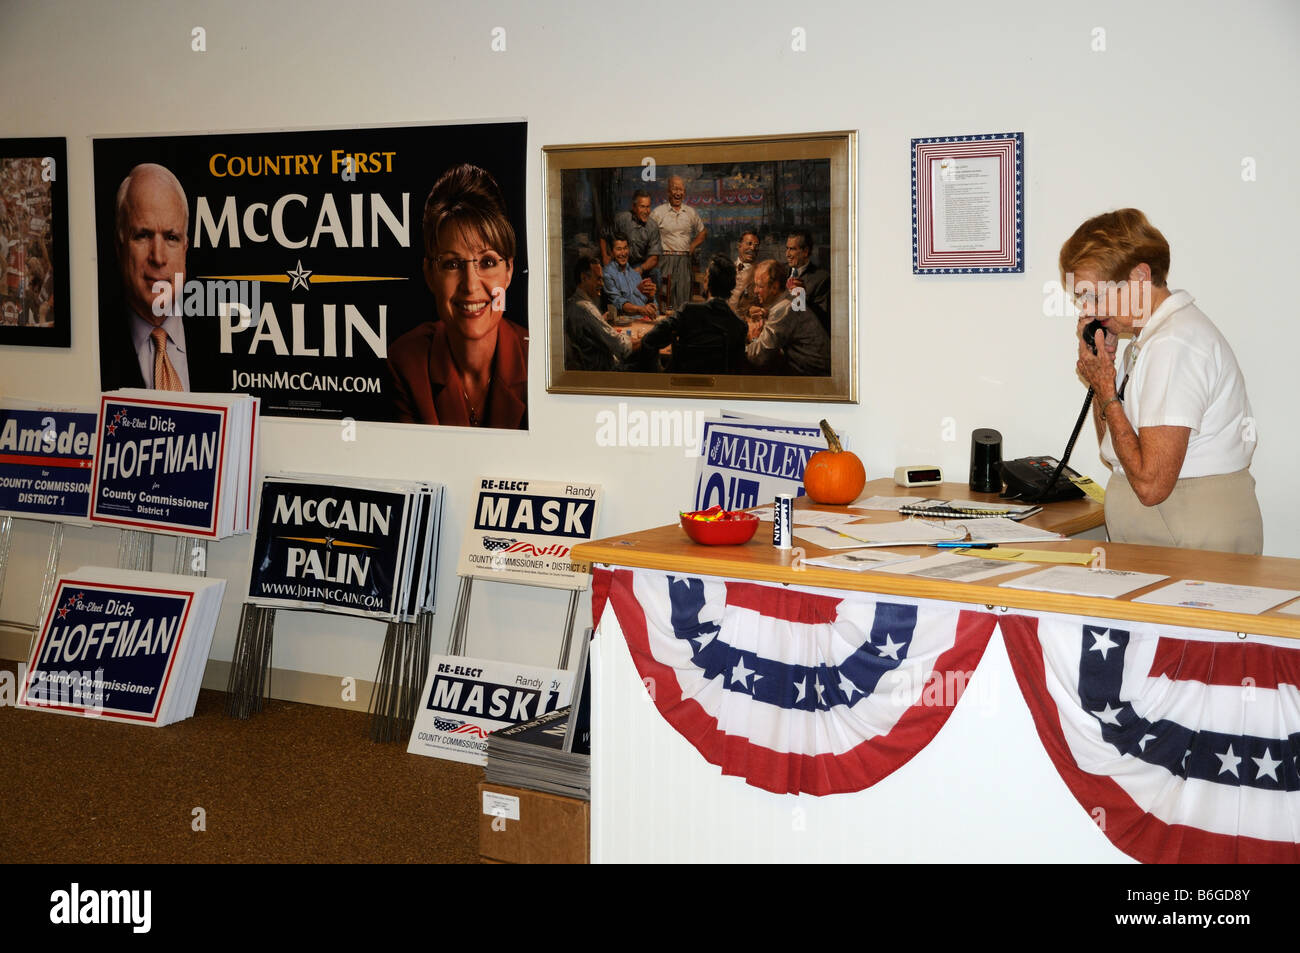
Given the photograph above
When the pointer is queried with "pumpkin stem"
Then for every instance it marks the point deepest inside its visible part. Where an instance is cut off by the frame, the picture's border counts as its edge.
(832, 441)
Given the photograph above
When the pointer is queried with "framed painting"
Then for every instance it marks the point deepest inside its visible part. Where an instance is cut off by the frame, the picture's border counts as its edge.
(34, 308)
(703, 268)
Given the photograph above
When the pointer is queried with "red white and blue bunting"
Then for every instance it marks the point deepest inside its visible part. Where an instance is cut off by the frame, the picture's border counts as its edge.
(794, 689)
(1181, 743)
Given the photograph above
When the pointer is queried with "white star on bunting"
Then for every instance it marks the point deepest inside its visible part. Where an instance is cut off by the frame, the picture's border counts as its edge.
(1108, 715)
(1267, 765)
(1103, 643)
(1229, 762)
(890, 648)
(739, 673)
(848, 688)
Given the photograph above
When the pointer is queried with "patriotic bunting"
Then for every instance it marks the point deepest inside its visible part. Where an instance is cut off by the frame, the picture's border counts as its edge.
(793, 689)
(1181, 743)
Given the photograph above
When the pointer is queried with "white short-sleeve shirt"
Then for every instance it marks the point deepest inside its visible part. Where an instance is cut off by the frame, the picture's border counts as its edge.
(1182, 373)
(677, 227)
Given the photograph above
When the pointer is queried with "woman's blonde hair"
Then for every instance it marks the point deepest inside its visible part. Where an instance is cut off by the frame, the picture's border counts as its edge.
(1114, 244)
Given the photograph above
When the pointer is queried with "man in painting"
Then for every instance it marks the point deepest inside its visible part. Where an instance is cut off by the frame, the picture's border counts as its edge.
(643, 245)
(589, 343)
(742, 296)
(806, 274)
(783, 338)
(624, 286)
(682, 231)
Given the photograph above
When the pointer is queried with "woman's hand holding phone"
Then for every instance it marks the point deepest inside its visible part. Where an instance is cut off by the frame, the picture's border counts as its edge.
(1098, 370)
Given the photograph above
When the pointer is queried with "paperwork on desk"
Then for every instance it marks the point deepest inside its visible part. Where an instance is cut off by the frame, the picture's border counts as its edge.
(999, 529)
(827, 538)
(1292, 609)
(899, 533)
(887, 504)
(1030, 555)
(806, 517)
(951, 568)
(1077, 581)
(1219, 596)
(860, 560)
(1019, 509)
(892, 504)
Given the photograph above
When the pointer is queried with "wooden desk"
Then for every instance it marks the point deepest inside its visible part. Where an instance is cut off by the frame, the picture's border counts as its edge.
(983, 790)
(668, 548)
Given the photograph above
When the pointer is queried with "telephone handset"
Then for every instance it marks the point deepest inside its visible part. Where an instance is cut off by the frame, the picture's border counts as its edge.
(1089, 334)
(1038, 479)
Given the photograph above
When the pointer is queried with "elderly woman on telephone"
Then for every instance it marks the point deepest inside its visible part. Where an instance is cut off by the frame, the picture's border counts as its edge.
(1174, 422)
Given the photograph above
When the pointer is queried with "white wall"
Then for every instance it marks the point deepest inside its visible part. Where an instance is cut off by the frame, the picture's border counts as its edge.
(1161, 119)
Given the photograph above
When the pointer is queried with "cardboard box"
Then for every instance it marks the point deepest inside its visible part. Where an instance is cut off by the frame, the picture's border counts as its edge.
(518, 826)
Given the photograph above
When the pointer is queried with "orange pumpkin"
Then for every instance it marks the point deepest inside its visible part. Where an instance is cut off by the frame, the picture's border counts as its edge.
(834, 475)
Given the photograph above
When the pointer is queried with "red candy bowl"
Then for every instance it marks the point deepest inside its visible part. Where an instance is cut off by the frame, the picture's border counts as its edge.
(718, 527)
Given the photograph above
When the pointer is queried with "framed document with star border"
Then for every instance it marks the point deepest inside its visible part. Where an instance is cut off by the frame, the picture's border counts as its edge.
(968, 204)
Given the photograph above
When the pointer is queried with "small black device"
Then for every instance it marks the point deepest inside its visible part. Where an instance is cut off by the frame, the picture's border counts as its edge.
(1089, 334)
(985, 461)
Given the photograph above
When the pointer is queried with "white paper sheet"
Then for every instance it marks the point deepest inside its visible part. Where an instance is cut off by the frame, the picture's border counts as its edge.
(826, 538)
(860, 560)
(807, 517)
(1081, 581)
(953, 568)
(909, 532)
(887, 504)
(1218, 596)
(967, 196)
(999, 529)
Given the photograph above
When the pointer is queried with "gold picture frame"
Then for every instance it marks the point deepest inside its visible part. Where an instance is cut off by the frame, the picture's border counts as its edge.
(772, 184)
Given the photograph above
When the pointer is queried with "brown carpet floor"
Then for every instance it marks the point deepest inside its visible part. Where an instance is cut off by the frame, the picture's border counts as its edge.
(294, 784)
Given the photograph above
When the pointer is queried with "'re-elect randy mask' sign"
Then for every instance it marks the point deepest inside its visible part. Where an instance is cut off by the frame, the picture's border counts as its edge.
(522, 530)
(466, 699)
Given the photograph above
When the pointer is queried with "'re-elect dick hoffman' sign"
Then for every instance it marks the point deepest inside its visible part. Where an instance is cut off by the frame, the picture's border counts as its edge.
(107, 651)
(160, 466)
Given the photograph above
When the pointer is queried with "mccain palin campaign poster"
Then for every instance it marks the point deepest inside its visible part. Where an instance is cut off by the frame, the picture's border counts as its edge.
(292, 266)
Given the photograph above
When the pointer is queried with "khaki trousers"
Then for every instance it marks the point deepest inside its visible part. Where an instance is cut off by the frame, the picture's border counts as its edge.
(1215, 512)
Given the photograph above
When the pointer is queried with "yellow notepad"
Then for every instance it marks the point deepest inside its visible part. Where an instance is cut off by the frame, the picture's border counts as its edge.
(1095, 491)
(1030, 555)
